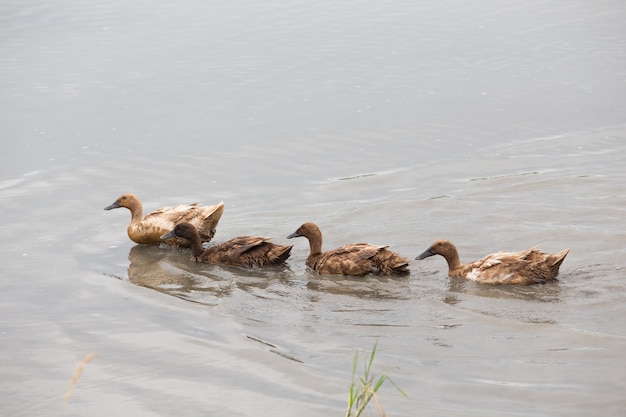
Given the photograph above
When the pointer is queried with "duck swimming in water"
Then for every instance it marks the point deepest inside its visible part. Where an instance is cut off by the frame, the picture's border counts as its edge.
(149, 230)
(526, 267)
(357, 259)
(243, 251)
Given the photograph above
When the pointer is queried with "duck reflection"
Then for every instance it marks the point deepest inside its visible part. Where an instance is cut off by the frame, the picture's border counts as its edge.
(547, 293)
(368, 287)
(171, 272)
(536, 304)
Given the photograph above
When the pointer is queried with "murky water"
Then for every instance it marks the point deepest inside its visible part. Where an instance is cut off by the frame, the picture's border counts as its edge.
(496, 125)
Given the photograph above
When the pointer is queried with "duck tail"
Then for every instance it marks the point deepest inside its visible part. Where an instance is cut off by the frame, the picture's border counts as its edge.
(555, 261)
(208, 222)
(215, 212)
(392, 263)
(401, 268)
(283, 254)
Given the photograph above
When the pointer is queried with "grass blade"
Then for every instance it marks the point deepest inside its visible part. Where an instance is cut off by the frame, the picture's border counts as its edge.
(362, 391)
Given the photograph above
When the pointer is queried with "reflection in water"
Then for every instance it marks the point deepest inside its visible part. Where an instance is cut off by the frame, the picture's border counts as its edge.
(172, 272)
(369, 287)
(548, 293)
(530, 304)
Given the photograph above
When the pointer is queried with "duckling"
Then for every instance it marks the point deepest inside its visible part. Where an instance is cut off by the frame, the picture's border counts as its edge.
(243, 251)
(357, 259)
(150, 229)
(526, 267)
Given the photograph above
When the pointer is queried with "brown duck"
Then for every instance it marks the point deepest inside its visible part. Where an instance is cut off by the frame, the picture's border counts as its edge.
(357, 259)
(243, 251)
(149, 230)
(526, 267)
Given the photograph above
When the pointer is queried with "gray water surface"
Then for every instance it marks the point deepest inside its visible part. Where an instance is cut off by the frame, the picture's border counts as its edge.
(496, 125)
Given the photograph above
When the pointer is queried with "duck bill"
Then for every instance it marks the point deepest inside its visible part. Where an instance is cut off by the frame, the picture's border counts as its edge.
(113, 206)
(168, 235)
(428, 252)
(294, 234)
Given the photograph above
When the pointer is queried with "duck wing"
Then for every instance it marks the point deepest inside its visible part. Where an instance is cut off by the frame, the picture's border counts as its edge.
(165, 218)
(247, 251)
(353, 259)
(174, 214)
(514, 268)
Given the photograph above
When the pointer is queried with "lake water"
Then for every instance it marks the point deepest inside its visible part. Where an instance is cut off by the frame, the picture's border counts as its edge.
(497, 125)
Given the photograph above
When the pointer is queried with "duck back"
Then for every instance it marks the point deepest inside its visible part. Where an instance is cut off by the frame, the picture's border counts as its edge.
(359, 259)
(526, 267)
(246, 251)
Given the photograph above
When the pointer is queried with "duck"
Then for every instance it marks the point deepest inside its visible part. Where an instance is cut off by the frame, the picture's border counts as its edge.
(356, 259)
(242, 251)
(148, 230)
(527, 267)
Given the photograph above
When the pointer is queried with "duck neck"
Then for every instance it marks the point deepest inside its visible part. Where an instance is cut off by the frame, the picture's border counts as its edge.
(136, 212)
(196, 245)
(452, 257)
(315, 245)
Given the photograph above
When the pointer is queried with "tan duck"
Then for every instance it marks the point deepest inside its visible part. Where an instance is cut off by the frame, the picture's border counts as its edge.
(149, 229)
(357, 259)
(526, 267)
(243, 251)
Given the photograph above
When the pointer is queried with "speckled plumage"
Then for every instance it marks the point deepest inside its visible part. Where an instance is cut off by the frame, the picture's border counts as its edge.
(357, 259)
(242, 251)
(149, 230)
(526, 267)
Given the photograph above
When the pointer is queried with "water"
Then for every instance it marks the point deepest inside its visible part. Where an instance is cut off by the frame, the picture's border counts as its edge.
(496, 125)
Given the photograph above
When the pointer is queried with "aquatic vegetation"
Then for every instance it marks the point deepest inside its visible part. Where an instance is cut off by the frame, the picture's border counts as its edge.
(365, 389)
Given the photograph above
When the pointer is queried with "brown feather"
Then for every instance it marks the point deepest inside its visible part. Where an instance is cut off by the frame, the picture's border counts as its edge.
(356, 259)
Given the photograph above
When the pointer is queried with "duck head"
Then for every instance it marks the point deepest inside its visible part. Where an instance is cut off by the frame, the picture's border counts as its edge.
(307, 230)
(130, 201)
(184, 230)
(444, 248)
